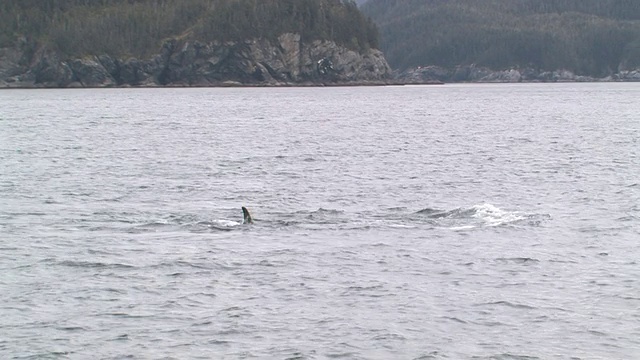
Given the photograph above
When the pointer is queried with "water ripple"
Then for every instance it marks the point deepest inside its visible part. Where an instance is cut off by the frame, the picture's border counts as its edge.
(457, 222)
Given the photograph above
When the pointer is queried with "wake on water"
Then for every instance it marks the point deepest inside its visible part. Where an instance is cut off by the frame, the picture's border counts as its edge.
(458, 219)
(481, 215)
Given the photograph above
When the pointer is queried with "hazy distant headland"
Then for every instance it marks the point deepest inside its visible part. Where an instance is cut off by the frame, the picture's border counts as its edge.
(509, 40)
(102, 43)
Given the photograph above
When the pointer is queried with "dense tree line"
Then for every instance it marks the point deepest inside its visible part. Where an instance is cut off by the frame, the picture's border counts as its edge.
(340, 21)
(138, 27)
(590, 37)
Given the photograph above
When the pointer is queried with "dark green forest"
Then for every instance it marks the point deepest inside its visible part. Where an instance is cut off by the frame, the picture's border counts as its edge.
(590, 37)
(138, 27)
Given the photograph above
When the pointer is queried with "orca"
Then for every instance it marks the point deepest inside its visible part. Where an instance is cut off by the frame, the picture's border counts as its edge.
(246, 215)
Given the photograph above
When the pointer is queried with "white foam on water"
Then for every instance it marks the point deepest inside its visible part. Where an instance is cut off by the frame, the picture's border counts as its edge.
(462, 228)
(402, 226)
(494, 216)
(225, 223)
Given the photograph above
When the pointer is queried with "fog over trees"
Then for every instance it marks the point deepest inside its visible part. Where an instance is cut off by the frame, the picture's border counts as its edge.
(591, 37)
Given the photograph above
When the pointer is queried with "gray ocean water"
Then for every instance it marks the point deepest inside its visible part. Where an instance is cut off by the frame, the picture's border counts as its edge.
(447, 222)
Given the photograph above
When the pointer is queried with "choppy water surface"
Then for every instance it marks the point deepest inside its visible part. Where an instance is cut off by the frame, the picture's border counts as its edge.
(450, 222)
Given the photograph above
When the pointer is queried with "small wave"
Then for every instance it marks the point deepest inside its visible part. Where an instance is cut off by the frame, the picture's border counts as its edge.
(296, 356)
(432, 355)
(628, 218)
(113, 290)
(115, 199)
(518, 260)
(341, 355)
(266, 263)
(389, 336)
(235, 312)
(455, 319)
(88, 264)
(597, 333)
(30, 213)
(563, 261)
(380, 244)
(128, 316)
(155, 226)
(364, 288)
(71, 328)
(374, 291)
(120, 338)
(323, 211)
(8, 248)
(219, 342)
(401, 226)
(508, 356)
(508, 304)
(397, 209)
(319, 217)
(462, 228)
(48, 355)
(181, 263)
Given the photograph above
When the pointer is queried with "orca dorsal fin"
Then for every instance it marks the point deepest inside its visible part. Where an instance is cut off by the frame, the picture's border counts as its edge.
(246, 216)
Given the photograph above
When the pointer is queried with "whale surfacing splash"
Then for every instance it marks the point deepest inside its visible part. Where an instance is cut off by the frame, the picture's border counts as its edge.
(246, 215)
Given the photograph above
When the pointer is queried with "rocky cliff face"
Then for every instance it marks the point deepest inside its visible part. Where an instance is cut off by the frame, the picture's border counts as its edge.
(287, 61)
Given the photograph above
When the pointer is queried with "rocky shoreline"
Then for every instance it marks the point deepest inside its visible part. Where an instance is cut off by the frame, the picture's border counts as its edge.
(285, 62)
(475, 74)
(253, 63)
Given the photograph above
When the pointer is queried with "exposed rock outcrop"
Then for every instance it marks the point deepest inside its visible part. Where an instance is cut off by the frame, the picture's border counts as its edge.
(260, 62)
(10, 60)
(89, 72)
(14, 64)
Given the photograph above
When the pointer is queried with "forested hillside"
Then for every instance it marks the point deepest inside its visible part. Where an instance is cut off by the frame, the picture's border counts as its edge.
(103, 43)
(138, 27)
(590, 37)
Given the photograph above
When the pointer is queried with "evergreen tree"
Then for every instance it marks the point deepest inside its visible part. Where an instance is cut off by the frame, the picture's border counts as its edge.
(138, 27)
